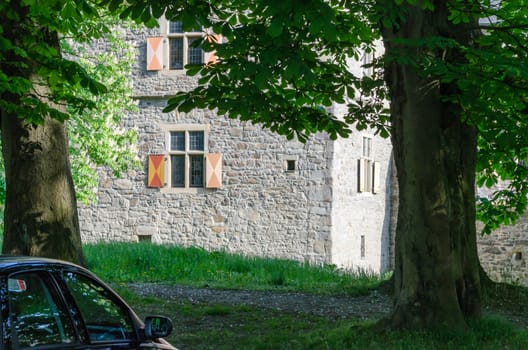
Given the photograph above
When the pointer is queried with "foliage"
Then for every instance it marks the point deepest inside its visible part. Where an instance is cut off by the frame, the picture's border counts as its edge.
(290, 57)
(499, 75)
(95, 88)
(32, 49)
(282, 63)
(97, 136)
(145, 262)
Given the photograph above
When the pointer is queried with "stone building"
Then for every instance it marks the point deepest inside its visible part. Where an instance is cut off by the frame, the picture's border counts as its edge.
(503, 253)
(223, 184)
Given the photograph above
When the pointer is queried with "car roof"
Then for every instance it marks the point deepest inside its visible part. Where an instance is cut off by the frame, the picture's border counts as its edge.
(8, 261)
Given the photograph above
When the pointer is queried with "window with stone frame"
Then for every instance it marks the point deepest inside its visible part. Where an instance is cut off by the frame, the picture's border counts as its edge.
(182, 49)
(186, 158)
(177, 46)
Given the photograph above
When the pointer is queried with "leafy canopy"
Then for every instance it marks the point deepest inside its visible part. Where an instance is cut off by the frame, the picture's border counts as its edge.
(282, 63)
(92, 90)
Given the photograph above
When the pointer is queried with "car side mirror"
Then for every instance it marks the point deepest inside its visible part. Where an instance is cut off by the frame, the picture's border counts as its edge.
(157, 327)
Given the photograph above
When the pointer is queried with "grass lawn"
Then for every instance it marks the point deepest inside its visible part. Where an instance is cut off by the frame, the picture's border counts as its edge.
(210, 326)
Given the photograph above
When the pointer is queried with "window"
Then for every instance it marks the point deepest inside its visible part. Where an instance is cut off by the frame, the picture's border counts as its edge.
(175, 47)
(368, 169)
(365, 166)
(290, 165)
(362, 247)
(104, 317)
(367, 147)
(367, 62)
(187, 158)
(36, 313)
(181, 46)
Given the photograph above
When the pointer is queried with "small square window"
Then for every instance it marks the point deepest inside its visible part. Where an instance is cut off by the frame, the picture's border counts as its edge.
(290, 165)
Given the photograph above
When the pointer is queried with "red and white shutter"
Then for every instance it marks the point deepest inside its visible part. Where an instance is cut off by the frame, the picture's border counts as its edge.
(213, 172)
(156, 171)
(210, 57)
(154, 53)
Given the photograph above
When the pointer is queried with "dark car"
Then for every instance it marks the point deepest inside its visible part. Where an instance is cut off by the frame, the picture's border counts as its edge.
(52, 304)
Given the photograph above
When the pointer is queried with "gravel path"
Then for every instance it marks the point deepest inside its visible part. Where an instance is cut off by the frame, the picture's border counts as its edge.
(372, 306)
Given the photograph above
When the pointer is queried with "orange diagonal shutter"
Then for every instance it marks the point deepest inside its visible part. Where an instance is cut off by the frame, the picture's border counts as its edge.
(213, 170)
(154, 53)
(210, 57)
(156, 171)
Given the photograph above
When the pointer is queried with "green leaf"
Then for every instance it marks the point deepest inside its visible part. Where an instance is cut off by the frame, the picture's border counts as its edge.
(275, 28)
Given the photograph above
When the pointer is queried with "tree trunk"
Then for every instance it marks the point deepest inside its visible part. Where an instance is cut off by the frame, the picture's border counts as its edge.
(40, 217)
(436, 263)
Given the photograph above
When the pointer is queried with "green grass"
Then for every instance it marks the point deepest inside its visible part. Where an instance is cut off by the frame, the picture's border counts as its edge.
(145, 262)
(210, 326)
(204, 326)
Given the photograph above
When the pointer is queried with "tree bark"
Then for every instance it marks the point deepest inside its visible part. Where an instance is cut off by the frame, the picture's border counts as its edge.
(436, 263)
(40, 215)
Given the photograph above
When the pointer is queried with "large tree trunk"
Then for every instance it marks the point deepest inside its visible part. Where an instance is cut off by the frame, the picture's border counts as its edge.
(40, 217)
(436, 263)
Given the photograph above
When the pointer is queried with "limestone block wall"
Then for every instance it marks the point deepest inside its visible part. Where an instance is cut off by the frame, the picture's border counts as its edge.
(261, 209)
(361, 220)
(314, 213)
(504, 253)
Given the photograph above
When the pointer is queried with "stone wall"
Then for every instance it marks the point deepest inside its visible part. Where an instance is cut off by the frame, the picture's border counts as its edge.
(261, 209)
(313, 213)
(360, 220)
(503, 254)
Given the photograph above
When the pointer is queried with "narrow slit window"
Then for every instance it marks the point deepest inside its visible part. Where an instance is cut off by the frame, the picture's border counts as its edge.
(362, 246)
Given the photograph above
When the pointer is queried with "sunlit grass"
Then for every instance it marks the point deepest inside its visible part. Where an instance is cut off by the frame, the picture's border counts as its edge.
(145, 262)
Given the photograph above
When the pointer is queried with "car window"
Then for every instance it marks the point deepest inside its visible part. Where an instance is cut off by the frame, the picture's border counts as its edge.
(104, 318)
(36, 316)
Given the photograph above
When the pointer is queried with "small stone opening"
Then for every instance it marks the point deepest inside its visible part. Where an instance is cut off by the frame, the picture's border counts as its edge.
(518, 256)
(290, 165)
(144, 238)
